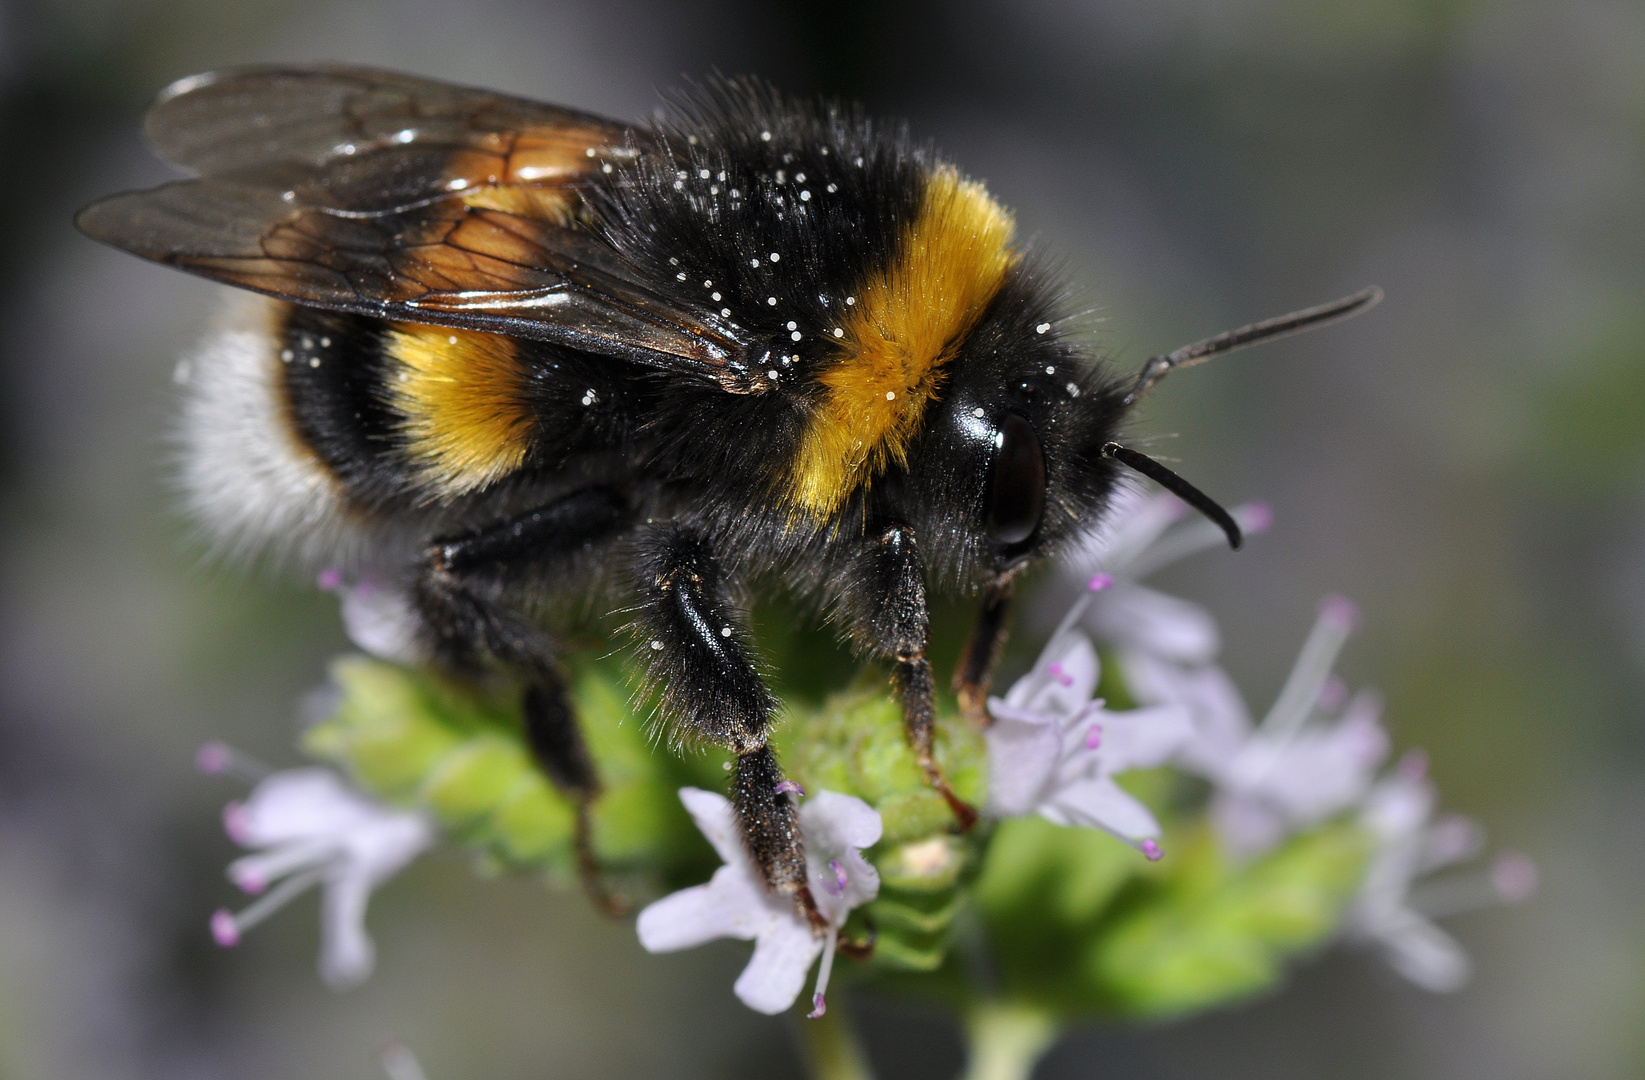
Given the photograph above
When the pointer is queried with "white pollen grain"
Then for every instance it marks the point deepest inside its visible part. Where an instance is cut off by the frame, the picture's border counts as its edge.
(857, 162)
(793, 325)
(799, 178)
(891, 395)
(589, 151)
(735, 194)
(1042, 328)
(655, 644)
(832, 188)
(681, 175)
(1073, 390)
(795, 335)
(451, 339)
(725, 311)
(850, 300)
(775, 257)
(772, 300)
(708, 283)
(673, 261)
(714, 295)
(703, 174)
(765, 136)
(606, 167)
(978, 413)
(680, 276)
(325, 343)
(286, 355)
(838, 332)
(725, 631)
(753, 262)
(720, 176)
(805, 196)
(782, 177)
(1050, 371)
(773, 374)
(679, 185)
(314, 363)
(692, 139)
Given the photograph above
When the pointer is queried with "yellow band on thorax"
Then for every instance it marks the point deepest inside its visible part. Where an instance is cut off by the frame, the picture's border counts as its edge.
(907, 322)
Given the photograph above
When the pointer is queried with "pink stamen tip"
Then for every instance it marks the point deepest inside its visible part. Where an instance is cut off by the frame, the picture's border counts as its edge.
(1151, 851)
(1339, 611)
(211, 758)
(1515, 877)
(819, 1006)
(1332, 693)
(1099, 582)
(331, 579)
(840, 878)
(250, 881)
(785, 787)
(1093, 738)
(223, 930)
(236, 824)
(1257, 517)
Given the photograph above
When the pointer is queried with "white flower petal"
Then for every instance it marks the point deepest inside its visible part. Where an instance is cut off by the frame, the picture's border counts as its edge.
(1102, 804)
(776, 971)
(718, 822)
(1221, 722)
(730, 905)
(1247, 827)
(1140, 738)
(347, 954)
(835, 823)
(1022, 756)
(297, 804)
(381, 620)
(1137, 617)
(1061, 681)
(1425, 954)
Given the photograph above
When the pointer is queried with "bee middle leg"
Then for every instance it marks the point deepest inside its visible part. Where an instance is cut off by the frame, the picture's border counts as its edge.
(698, 664)
(460, 595)
(887, 602)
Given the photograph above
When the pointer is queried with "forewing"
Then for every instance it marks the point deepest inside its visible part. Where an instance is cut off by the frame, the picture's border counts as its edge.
(378, 193)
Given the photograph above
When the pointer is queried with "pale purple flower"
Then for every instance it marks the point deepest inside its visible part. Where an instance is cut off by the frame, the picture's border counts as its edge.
(1054, 750)
(378, 617)
(1393, 911)
(311, 828)
(1143, 532)
(736, 904)
(1304, 763)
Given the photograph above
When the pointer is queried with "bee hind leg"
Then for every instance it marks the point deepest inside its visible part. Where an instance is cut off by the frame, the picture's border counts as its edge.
(459, 596)
(975, 673)
(698, 664)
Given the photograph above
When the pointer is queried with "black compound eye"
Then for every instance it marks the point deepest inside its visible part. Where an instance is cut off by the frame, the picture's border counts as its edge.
(1016, 494)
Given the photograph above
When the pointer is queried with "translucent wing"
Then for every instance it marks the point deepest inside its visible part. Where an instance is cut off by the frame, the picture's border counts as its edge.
(386, 195)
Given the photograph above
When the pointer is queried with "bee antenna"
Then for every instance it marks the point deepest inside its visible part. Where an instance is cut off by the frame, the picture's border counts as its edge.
(1179, 487)
(1158, 367)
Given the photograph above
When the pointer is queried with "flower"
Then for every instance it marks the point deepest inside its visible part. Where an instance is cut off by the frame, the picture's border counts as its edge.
(1301, 765)
(313, 829)
(378, 617)
(736, 904)
(1391, 912)
(1140, 535)
(1054, 750)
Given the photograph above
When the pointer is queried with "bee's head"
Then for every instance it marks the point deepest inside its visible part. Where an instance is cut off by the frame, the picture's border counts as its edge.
(1011, 464)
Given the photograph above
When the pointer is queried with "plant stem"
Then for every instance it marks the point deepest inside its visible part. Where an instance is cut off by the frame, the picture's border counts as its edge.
(830, 1046)
(1007, 1039)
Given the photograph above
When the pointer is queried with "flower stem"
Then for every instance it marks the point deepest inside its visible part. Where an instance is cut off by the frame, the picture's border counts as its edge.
(1007, 1039)
(830, 1046)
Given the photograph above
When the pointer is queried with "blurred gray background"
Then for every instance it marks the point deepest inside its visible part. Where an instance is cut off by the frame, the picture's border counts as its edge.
(1468, 462)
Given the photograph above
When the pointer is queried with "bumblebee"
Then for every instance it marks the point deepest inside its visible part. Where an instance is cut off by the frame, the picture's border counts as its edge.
(507, 352)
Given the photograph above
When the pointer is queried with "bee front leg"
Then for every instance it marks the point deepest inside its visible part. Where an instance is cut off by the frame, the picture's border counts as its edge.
(459, 596)
(887, 602)
(975, 673)
(698, 665)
